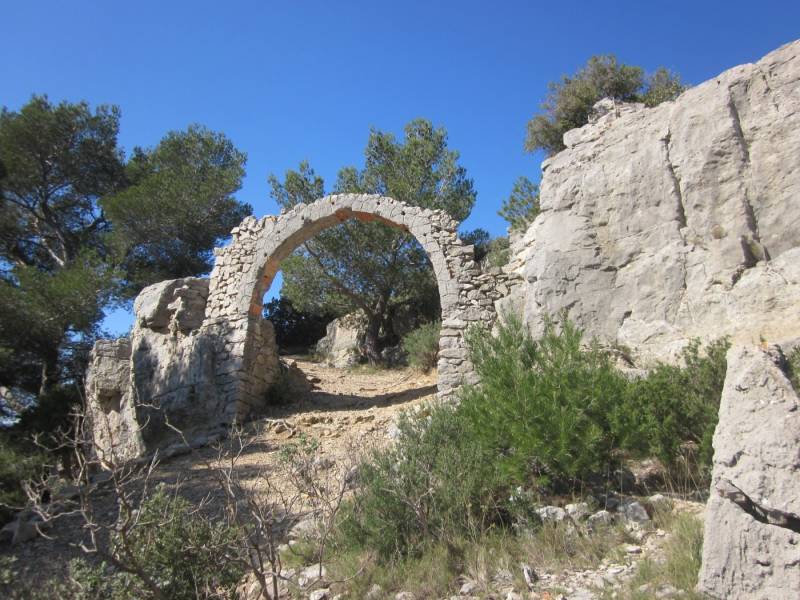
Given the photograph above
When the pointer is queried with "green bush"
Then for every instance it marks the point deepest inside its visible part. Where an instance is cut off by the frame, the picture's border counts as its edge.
(549, 415)
(547, 409)
(432, 485)
(186, 554)
(678, 404)
(422, 346)
(16, 466)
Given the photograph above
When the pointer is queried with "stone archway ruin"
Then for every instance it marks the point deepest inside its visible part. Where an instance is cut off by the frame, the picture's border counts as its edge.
(244, 270)
(201, 356)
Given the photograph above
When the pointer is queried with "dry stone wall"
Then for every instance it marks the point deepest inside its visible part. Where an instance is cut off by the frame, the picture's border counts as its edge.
(245, 269)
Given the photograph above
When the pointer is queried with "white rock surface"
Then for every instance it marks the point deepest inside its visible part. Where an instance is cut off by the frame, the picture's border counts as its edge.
(663, 224)
(343, 341)
(751, 547)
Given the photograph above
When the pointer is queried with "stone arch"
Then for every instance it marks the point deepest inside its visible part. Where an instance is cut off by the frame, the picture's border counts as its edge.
(244, 270)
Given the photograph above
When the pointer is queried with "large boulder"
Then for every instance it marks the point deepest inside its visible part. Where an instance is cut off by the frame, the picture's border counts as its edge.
(344, 338)
(165, 375)
(663, 224)
(751, 547)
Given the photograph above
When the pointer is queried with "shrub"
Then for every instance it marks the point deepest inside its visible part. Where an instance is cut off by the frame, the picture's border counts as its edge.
(499, 252)
(545, 408)
(549, 415)
(678, 404)
(16, 467)
(422, 346)
(183, 553)
(434, 484)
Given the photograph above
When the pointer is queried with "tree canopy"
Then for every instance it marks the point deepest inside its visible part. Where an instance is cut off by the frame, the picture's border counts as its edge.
(522, 206)
(177, 206)
(569, 101)
(81, 228)
(370, 266)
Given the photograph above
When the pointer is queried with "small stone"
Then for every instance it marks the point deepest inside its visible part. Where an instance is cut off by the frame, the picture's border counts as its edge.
(631, 549)
(601, 518)
(578, 510)
(468, 588)
(322, 594)
(374, 592)
(633, 512)
(667, 591)
(311, 574)
(660, 502)
(404, 596)
(551, 514)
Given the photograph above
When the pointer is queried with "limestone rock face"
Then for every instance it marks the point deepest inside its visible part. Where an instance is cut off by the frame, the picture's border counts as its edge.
(110, 401)
(751, 547)
(166, 374)
(344, 337)
(663, 224)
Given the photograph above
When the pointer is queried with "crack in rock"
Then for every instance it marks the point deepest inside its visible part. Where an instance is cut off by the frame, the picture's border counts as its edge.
(768, 516)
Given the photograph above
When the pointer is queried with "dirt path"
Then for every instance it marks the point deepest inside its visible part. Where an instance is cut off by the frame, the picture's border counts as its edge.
(343, 410)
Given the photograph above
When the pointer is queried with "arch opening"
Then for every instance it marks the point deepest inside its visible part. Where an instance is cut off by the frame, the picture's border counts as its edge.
(246, 268)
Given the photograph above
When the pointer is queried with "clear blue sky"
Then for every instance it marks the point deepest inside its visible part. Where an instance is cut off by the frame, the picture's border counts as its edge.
(288, 81)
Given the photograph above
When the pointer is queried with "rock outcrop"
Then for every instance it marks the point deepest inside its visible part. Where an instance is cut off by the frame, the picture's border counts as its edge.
(344, 337)
(165, 375)
(663, 224)
(751, 547)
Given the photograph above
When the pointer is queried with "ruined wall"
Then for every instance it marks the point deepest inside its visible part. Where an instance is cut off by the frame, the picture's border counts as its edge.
(663, 224)
(201, 355)
(245, 269)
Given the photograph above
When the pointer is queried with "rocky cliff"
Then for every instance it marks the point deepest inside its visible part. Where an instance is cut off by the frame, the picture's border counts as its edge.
(663, 224)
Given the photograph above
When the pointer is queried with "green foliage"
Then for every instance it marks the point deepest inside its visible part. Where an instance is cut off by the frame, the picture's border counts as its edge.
(184, 553)
(371, 266)
(548, 409)
(422, 346)
(674, 405)
(488, 251)
(433, 484)
(63, 181)
(662, 86)
(793, 368)
(17, 465)
(499, 252)
(58, 160)
(479, 239)
(569, 102)
(295, 329)
(178, 206)
(549, 415)
(522, 206)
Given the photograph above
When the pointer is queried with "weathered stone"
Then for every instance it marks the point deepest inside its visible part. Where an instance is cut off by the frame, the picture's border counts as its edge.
(601, 518)
(633, 512)
(752, 542)
(343, 342)
(659, 225)
(551, 514)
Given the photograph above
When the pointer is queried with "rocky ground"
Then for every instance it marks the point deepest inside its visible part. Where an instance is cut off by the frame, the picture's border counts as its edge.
(348, 412)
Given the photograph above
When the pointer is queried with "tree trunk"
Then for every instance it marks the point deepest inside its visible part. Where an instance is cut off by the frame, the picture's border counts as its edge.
(371, 341)
(49, 372)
